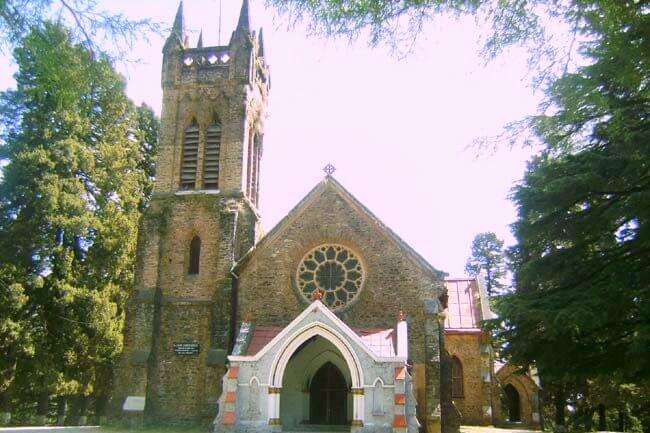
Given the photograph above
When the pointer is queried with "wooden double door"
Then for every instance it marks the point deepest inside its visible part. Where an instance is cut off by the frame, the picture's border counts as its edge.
(328, 397)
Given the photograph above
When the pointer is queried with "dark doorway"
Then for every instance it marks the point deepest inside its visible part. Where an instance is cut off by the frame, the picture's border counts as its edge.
(328, 396)
(512, 403)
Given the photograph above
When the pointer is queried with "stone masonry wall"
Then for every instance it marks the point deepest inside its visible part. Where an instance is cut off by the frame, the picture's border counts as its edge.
(189, 303)
(467, 348)
(170, 306)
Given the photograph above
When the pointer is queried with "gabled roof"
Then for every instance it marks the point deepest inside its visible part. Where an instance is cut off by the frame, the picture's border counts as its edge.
(380, 341)
(468, 304)
(330, 183)
(365, 341)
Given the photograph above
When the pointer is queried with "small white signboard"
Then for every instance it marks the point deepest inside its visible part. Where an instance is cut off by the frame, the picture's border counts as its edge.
(134, 404)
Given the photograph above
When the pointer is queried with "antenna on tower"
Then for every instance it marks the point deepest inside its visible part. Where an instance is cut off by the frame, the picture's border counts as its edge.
(219, 42)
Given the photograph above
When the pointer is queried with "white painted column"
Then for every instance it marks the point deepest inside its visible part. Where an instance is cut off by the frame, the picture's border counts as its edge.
(357, 407)
(274, 406)
(402, 338)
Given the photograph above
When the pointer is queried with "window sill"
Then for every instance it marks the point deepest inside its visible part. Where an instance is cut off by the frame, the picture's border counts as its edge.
(198, 191)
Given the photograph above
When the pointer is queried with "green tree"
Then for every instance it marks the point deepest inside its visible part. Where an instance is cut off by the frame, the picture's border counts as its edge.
(487, 257)
(15, 333)
(70, 199)
(148, 128)
(582, 302)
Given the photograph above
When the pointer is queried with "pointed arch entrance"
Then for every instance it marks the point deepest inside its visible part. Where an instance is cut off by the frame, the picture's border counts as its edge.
(316, 378)
(328, 395)
(513, 405)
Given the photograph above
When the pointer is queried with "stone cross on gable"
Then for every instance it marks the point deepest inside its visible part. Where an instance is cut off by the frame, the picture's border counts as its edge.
(329, 169)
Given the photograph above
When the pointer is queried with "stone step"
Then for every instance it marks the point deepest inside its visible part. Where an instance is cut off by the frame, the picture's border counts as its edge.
(318, 428)
(301, 430)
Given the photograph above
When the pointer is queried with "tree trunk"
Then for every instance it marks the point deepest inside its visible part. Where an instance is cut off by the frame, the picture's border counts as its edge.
(83, 409)
(100, 409)
(5, 408)
(622, 417)
(61, 409)
(588, 418)
(602, 417)
(560, 404)
(42, 408)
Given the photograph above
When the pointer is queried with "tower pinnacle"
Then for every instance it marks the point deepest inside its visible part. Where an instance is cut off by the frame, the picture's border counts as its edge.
(177, 35)
(179, 22)
(244, 23)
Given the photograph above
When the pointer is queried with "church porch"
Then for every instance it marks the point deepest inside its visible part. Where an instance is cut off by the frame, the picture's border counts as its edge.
(317, 374)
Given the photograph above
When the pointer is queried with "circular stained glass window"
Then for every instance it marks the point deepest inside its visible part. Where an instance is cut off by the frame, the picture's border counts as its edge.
(334, 270)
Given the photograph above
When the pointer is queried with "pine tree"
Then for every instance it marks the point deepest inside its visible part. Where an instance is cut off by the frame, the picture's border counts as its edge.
(488, 258)
(70, 200)
(582, 302)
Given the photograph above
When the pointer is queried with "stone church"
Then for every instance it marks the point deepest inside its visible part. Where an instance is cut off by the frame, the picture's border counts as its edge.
(327, 322)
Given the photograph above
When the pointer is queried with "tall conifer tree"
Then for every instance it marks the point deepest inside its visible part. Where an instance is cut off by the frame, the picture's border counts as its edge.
(487, 258)
(582, 304)
(70, 199)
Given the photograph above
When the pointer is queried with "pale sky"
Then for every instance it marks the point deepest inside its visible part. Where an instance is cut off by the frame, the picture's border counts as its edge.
(397, 129)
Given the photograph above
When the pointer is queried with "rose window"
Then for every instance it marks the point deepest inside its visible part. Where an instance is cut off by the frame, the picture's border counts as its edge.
(335, 271)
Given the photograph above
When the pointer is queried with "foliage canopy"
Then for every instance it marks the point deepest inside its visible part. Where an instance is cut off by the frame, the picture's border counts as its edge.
(77, 168)
(487, 257)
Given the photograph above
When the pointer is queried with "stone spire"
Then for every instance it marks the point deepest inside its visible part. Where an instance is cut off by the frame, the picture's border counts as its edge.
(177, 35)
(199, 44)
(179, 22)
(244, 23)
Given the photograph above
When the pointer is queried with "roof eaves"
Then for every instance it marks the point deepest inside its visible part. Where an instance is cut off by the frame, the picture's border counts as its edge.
(272, 233)
(421, 261)
(411, 253)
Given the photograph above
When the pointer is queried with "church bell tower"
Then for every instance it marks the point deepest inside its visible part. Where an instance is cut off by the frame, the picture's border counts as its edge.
(203, 216)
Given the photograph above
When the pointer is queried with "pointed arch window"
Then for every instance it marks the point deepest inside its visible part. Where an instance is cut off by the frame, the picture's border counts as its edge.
(211, 156)
(378, 398)
(190, 156)
(195, 256)
(456, 378)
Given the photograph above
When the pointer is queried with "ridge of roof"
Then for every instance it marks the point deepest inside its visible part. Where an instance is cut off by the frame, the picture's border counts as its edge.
(354, 202)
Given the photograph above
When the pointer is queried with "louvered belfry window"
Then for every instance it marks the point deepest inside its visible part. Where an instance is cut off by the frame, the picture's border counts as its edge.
(190, 156)
(211, 157)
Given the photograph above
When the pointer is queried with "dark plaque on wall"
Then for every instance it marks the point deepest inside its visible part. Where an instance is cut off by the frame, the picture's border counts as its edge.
(187, 348)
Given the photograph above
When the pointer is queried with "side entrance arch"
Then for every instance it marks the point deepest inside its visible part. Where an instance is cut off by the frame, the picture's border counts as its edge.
(512, 403)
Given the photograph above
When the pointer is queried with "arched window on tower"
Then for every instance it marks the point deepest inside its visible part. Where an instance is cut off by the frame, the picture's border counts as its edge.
(211, 156)
(456, 378)
(195, 256)
(189, 156)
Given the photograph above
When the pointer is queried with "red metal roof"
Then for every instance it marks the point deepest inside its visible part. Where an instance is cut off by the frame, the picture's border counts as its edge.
(380, 341)
(463, 311)
(262, 335)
